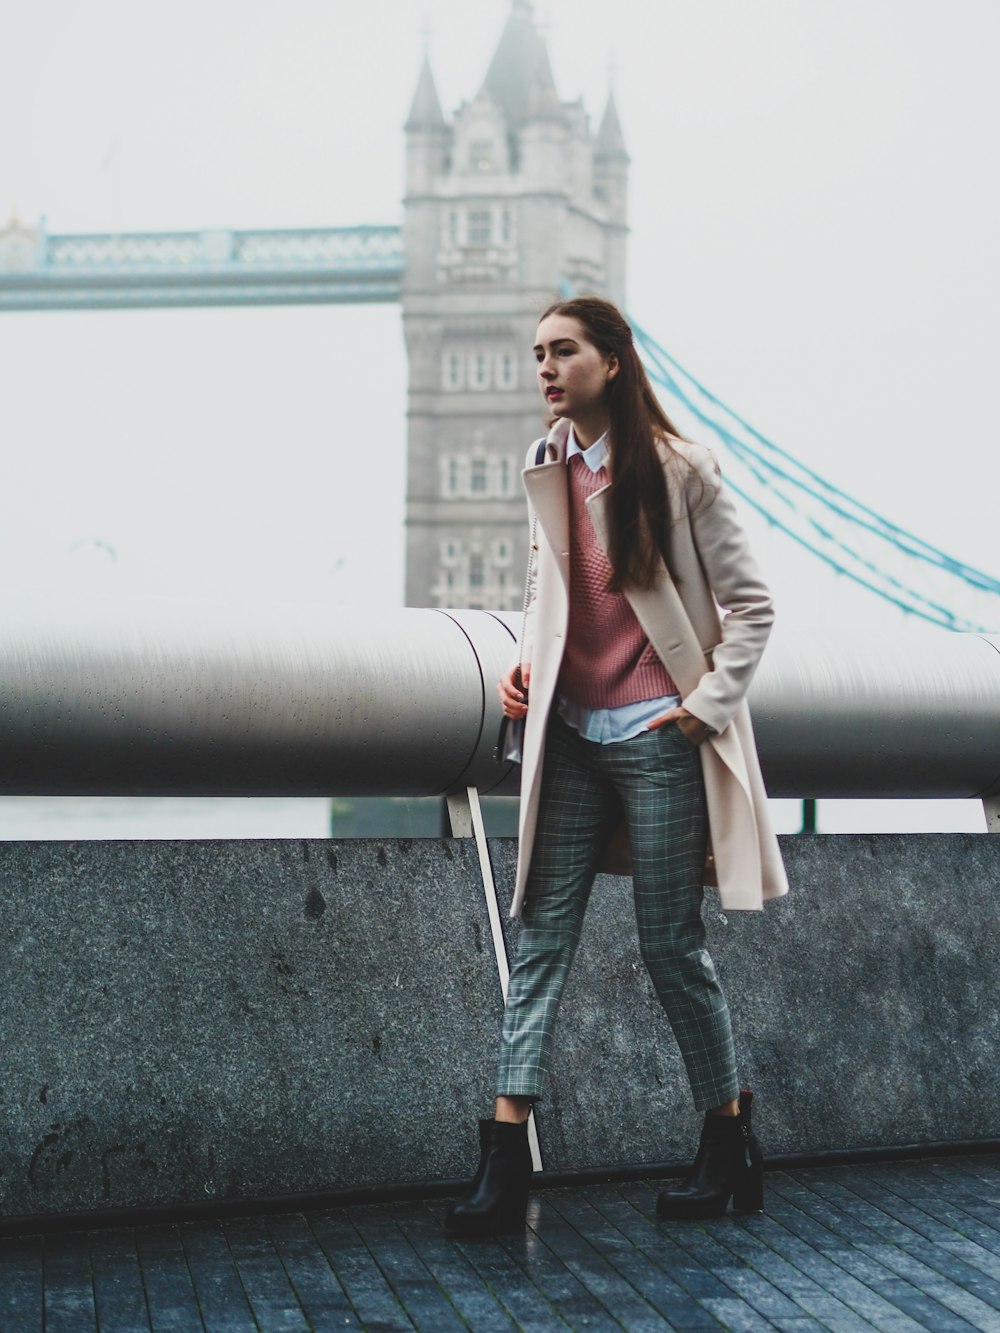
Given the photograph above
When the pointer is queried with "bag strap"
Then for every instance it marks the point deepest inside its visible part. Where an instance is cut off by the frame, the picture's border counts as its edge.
(532, 540)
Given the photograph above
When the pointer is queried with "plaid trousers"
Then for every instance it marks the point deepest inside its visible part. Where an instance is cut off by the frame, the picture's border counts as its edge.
(656, 776)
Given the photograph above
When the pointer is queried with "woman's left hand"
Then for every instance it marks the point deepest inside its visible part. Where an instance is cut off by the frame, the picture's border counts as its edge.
(693, 728)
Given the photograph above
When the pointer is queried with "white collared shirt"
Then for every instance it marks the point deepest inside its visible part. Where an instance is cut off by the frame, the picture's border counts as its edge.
(595, 455)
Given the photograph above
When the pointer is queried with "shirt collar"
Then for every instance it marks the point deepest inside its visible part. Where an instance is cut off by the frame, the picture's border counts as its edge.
(595, 456)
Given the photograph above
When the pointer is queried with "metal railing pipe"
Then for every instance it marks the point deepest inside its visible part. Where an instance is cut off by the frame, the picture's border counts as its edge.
(164, 700)
(868, 715)
(288, 700)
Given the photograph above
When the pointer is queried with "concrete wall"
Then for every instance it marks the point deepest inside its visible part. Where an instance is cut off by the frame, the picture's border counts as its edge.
(186, 1021)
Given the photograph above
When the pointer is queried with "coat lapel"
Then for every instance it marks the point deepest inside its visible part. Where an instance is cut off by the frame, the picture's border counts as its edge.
(546, 487)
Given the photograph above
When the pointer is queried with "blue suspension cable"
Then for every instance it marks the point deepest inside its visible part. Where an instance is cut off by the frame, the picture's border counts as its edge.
(664, 370)
(936, 614)
(875, 523)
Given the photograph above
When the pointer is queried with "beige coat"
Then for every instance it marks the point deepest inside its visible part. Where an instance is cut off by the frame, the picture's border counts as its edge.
(712, 659)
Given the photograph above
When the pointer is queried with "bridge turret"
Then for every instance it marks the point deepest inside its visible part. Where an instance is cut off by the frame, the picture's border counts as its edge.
(427, 135)
(611, 163)
(428, 154)
(519, 79)
(500, 211)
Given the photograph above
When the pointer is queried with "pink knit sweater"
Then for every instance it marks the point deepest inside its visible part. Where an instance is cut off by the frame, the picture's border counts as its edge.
(608, 659)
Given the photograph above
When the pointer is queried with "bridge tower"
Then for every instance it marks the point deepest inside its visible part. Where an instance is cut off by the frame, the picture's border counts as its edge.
(510, 202)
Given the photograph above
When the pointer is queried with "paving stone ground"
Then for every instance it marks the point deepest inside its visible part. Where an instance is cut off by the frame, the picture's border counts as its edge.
(894, 1247)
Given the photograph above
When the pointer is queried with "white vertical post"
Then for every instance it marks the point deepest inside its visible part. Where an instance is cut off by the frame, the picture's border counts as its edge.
(466, 817)
(460, 815)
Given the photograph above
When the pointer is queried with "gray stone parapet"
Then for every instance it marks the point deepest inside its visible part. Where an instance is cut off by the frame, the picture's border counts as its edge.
(197, 1021)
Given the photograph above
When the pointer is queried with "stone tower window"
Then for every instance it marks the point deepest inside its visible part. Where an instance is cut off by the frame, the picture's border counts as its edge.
(506, 370)
(480, 226)
(479, 371)
(452, 371)
(478, 477)
(470, 576)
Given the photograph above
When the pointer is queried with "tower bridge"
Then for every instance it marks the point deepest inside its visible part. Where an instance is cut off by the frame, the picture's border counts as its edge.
(506, 202)
(511, 200)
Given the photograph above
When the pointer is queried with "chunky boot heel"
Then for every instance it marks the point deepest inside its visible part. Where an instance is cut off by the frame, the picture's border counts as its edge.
(497, 1199)
(729, 1165)
(749, 1197)
(748, 1191)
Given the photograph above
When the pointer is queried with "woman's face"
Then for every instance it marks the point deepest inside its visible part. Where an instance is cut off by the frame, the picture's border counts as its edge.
(572, 373)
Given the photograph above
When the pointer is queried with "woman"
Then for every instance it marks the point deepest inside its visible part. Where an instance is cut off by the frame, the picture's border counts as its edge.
(637, 707)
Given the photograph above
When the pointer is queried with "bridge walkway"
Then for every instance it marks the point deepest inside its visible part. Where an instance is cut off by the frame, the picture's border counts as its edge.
(893, 1247)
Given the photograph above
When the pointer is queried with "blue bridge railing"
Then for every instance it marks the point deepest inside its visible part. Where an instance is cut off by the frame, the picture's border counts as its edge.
(190, 268)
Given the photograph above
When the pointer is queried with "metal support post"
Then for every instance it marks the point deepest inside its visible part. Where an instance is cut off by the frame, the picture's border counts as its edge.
(466, 817)
(991, 808)
(460, 813)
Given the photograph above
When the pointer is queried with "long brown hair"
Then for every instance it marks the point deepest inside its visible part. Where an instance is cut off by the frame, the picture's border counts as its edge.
(639, 505)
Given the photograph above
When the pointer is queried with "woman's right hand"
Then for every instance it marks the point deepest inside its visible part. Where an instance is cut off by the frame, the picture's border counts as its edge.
(512, 690)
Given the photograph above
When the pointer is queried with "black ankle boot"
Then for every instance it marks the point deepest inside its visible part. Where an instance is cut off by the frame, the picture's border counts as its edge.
(497, 1199)
(729, 1165)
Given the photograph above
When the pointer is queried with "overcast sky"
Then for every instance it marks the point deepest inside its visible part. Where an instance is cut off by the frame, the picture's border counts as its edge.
(814, 231)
